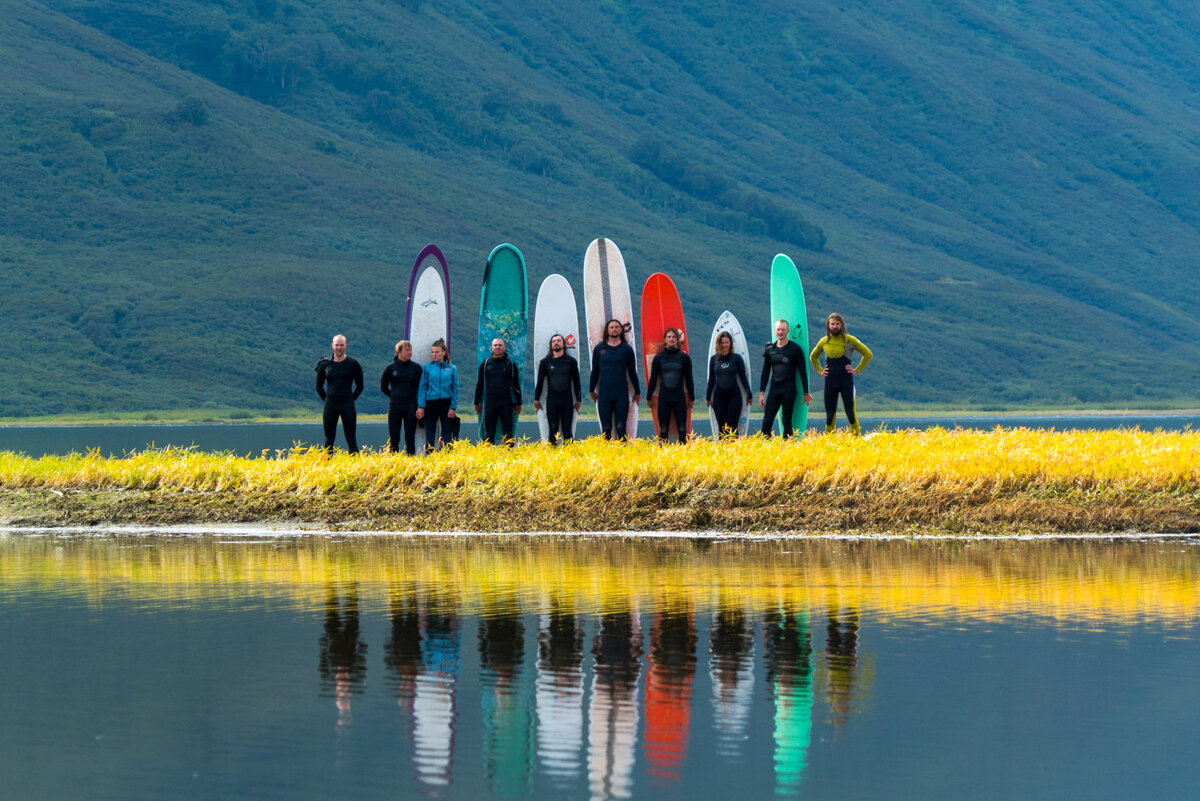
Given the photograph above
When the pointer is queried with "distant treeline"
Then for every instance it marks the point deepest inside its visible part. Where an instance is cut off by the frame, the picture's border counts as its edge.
(750, 211)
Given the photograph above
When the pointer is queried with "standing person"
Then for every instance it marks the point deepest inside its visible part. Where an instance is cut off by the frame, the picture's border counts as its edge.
(401, 382)
(437, 398)
(782, 360)
(558, 372)
(613, 365)
(839, 373)
(673, 367)
(339, 383)
(501, 378)
(728, 383)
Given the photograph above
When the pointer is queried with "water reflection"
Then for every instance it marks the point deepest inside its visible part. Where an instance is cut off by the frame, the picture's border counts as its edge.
(591, 656)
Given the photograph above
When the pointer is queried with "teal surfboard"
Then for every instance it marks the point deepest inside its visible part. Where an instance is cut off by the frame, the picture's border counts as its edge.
(504, 307)
(787, 303)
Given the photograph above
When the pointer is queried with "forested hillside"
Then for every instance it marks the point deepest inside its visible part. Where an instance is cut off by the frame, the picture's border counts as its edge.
(1003, 199)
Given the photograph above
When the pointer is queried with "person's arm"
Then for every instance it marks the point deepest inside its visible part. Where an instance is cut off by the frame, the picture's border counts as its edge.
(864, 350)
(802, 369)
(712, 380)
(358, 380)
(766, 370)
(516, 384)
(479, 384)
(321, 384)
(689, 384)
(576, 384)
(654, 371)
(385, 381)
(814, 358)
(453, 387)
(540, 382)
(745, 379)
(631, 369)
(595, 372)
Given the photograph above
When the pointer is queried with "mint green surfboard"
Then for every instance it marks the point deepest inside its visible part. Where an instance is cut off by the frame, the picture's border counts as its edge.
(504, 307)
(787, 303)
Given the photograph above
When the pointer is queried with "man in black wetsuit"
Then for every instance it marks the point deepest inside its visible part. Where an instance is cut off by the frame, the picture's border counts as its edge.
(498, 394)
(673, 367)
(400, 381)
(614, 377)
(782, 360)
(558, 376)
(339, 383)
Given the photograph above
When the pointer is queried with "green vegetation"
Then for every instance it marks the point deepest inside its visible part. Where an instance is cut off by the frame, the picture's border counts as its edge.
(1003, 200)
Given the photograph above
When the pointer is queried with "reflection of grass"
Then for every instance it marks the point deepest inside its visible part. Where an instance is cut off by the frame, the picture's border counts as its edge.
(1069, 580)
(958, 481)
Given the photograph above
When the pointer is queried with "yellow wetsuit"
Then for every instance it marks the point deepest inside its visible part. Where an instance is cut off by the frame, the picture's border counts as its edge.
(838, 351)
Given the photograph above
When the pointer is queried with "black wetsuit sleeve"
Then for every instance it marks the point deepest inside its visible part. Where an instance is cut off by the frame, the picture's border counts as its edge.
(631, 368)
(654, 371)
(802, 367)
(541, 379)
(711, 380)
(741, 369)
(321, 384)
(766, 370)
(479, 384)
(687, 377)
(516, 383)
(575, 381)
(385, 381)
(595, 376)
(359, 385)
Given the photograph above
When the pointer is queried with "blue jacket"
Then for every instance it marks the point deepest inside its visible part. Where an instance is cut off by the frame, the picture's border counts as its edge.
(438, 380)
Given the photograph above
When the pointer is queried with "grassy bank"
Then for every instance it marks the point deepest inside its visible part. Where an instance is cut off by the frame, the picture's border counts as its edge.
(1004, 481)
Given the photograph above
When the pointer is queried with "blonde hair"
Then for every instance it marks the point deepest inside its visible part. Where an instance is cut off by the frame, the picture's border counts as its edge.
(401, 345)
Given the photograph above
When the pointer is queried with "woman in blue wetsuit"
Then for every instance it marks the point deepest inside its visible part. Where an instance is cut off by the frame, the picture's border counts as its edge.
(614, 371)
(437, 399)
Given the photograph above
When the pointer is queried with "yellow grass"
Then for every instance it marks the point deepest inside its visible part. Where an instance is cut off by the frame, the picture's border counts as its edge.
(936, 469)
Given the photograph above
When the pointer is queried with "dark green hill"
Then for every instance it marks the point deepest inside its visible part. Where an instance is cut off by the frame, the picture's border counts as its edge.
(1002, 199)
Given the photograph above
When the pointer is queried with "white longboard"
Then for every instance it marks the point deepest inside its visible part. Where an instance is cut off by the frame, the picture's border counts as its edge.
(554, 313)
(606, 297)
(428, 311)
(727, 322)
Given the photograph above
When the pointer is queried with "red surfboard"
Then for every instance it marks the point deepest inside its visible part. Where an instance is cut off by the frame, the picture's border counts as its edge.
(661, 309)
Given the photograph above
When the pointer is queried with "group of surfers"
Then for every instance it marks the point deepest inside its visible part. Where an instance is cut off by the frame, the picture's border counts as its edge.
(428, 395)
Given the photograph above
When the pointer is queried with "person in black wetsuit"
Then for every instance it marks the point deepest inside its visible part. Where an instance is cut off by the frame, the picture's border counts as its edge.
(782, 360)
(728, 383)
(339, 383)
(673, 367)
(498, 394)
(614, 371)
(558, 373)
(400, 382)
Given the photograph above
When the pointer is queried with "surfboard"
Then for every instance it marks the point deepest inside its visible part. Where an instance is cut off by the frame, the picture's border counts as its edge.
(661, 309)
(787, 303)
(428, 316)
(554, 313)
(606, 297)
(727, 322)
(503, 308)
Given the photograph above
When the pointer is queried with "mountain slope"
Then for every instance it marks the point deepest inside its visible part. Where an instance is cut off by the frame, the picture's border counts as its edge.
(202, 193)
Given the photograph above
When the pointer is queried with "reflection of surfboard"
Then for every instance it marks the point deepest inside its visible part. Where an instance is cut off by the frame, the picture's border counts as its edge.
(554, 313)
(661, 309)
(504, 308)
(428, 316)
(727, 322)
(606, 297)
(787, 303)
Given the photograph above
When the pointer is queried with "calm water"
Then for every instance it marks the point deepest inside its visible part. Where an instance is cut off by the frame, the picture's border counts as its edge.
(473, 667)
(254, 438)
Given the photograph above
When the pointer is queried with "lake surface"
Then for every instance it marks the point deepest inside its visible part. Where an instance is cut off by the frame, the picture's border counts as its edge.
(394, 667)
(253, 438)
